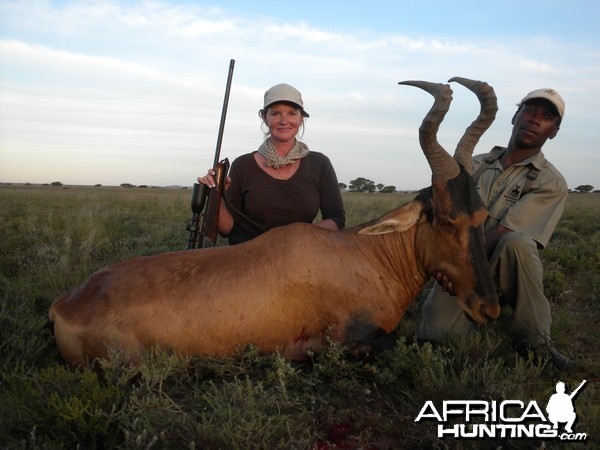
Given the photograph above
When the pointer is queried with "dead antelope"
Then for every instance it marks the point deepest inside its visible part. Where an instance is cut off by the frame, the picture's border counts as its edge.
(289, 289)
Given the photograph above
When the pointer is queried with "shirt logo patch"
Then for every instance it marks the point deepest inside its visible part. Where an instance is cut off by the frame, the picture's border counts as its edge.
(514, 194)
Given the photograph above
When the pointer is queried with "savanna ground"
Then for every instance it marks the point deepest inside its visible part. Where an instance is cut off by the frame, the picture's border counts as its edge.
(52, 238)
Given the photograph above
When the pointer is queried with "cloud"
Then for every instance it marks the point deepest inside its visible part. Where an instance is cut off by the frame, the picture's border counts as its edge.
(32, 56)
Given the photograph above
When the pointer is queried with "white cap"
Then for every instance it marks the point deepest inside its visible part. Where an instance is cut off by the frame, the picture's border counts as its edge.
(284, 93)
(547, 94)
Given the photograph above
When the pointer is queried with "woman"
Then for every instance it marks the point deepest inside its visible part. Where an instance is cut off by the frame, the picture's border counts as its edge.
(282, 182)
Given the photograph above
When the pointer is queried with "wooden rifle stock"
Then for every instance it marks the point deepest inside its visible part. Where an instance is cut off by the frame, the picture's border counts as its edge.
(210, 222)
(203, 227)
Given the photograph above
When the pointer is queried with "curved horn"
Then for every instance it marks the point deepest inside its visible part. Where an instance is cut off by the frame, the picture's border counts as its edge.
(443, 166)
(489, 106)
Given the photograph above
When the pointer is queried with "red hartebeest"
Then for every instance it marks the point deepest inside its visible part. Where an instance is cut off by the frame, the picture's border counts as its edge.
(291, 287)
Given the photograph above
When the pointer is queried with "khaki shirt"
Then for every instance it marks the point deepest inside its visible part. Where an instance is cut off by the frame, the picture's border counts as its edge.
(534, 214)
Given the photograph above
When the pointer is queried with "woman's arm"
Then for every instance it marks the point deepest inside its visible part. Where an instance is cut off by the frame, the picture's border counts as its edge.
(328, 224)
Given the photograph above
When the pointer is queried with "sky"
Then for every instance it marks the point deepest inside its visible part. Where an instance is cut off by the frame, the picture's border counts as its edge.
(131, 91)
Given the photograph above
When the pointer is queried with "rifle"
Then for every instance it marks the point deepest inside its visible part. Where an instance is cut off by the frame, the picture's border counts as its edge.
(203, 226)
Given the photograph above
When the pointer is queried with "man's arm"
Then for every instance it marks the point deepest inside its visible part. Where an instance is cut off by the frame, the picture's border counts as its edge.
(492, 237)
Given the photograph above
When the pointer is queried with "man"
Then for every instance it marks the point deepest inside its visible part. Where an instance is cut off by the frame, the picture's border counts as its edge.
(525, 197)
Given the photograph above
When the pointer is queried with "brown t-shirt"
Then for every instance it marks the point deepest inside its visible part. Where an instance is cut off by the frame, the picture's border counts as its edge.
(271, 203)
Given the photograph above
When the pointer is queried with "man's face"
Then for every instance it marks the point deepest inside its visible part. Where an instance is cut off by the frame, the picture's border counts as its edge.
(534, 123)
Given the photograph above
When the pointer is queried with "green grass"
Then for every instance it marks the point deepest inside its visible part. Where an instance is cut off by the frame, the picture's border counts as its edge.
(52, 238)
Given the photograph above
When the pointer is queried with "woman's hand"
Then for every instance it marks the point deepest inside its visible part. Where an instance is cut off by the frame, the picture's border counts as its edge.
(209, 179)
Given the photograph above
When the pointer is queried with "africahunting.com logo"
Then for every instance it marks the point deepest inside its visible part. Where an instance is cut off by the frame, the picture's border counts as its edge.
(507, 419)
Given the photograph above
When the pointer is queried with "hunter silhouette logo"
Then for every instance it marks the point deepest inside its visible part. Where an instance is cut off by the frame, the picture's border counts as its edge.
(560, 407)
(506, 419)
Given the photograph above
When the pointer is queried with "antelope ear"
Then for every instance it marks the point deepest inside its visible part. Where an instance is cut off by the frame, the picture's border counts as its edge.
(397, 221)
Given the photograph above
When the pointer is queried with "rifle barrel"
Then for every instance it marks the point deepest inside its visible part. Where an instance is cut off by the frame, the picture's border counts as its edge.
(224, 112)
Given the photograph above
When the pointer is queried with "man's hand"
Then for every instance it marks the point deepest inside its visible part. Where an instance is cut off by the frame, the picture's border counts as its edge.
(444, 282)
(492, 237)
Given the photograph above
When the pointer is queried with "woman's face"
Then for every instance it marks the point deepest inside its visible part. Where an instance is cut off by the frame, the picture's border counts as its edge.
(283, 121)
